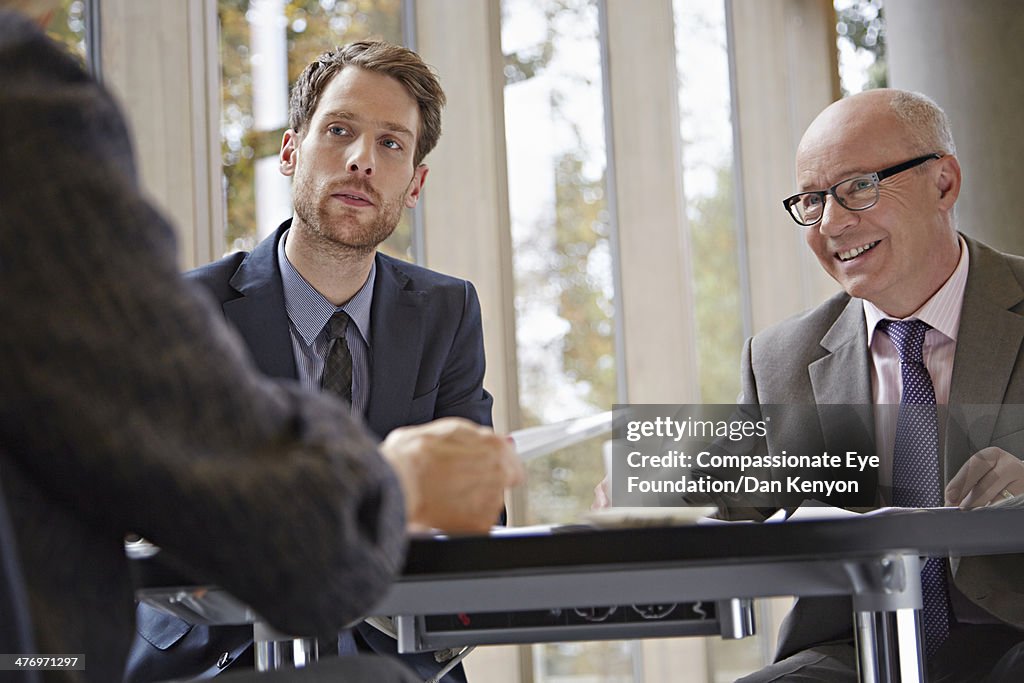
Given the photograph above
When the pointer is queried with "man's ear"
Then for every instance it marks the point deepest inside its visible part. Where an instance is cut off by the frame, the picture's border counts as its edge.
(948, 181)
(419, 178)
(288, 155)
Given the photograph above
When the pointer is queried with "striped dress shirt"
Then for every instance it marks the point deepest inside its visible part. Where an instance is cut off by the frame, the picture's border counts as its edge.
(942, 312)
(308, 313)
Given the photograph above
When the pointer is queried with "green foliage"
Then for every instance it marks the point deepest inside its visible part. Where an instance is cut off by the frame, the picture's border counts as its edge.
(67, 27)
(581, 227)
(562, 484)
(581, 233)
(237, 151)
(531, 61)
(524, 65)
(716, 283)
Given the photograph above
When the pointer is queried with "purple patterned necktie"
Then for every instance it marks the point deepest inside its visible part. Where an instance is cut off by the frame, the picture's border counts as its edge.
(915, 464)
(337, 375)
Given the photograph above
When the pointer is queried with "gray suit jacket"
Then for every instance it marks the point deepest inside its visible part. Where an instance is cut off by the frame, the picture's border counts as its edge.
(822, 358)
(127, 405)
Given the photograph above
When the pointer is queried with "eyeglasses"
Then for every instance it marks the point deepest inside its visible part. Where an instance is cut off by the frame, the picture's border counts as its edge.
(855, 194)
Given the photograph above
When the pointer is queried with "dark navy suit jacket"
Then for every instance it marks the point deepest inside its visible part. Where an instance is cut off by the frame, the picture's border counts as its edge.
(426, 350)
(426, 362)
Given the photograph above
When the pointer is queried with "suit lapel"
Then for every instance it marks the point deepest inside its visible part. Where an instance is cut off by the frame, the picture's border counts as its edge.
(843, 375)
(987, 347)
(396, 346)
(259, 314)
(841, 381)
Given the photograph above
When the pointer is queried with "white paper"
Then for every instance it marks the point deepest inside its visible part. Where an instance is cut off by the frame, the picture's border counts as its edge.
(532, 530)
(534, 442)
(817, 511)
(810, 512)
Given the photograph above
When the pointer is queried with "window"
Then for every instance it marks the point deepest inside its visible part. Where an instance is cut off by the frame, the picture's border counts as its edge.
(860, 38)
(706, 130)
(563, 266)
(560, 234)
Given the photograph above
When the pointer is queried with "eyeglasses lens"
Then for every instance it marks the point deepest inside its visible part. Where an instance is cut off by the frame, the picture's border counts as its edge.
(858, 193)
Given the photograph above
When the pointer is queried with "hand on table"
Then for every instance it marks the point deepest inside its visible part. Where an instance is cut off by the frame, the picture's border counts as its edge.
(991, 475)
(453, 474)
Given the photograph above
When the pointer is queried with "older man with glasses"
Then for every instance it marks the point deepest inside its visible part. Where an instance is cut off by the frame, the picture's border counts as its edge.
(929, 319)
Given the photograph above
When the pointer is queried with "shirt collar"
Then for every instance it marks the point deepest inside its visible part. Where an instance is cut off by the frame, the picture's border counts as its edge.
(941, 311)
(309, 310)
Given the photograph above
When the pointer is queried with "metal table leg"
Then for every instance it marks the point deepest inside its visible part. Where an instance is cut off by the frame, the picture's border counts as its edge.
(276, 651)
(886, 606)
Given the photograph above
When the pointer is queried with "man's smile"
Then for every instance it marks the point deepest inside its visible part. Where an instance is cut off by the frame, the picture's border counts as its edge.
(855, 252)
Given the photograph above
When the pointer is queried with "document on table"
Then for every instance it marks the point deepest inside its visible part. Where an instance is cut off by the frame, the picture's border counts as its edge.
(811, 510)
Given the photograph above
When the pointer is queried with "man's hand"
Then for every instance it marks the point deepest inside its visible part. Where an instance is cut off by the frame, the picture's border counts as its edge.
(990, 476)
(453, 474)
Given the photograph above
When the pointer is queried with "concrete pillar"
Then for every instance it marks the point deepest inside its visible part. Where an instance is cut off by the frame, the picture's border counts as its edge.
(969, 56)
(785, 73)
(161, 60)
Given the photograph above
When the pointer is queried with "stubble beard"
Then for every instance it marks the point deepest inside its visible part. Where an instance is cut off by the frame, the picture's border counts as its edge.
(343, 232)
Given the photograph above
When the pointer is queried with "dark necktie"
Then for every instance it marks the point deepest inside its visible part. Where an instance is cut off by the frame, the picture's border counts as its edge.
(915, 464)
(338, 365)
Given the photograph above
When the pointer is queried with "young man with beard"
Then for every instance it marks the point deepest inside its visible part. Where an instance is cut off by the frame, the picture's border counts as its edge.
(127, 405)
(362, 118)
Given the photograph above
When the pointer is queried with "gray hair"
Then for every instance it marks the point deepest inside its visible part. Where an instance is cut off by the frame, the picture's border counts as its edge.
(926, 123)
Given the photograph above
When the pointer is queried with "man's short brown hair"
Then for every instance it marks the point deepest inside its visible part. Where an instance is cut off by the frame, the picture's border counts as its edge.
(400, 63)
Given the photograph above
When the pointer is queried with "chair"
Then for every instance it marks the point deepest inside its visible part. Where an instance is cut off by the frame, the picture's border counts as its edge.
(15, 625)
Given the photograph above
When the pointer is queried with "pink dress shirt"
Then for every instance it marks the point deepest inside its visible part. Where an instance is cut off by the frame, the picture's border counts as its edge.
(942, 312)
